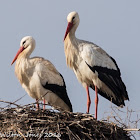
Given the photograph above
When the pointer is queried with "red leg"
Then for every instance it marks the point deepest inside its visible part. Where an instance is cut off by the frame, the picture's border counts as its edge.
(88, 99)
(43, 104)
(96, 102)
(37, 105)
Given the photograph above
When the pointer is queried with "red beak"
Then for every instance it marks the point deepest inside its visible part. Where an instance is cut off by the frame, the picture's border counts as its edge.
(68, 29)
(19, 51)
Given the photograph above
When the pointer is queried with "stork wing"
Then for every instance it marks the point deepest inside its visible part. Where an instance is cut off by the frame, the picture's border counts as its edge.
(106, 69)
(48, 73)
(96, 56)
(52, 80)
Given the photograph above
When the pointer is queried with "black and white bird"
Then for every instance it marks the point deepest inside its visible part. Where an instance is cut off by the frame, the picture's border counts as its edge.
(39, 77)
(93, 67)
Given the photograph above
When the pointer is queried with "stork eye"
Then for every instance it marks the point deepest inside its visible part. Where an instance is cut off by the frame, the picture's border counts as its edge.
(24, 42)
(73, 18)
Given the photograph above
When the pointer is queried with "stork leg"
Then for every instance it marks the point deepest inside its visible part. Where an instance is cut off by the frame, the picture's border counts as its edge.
(88, 99)
(43, 104)
(96, 102)
(37, 105)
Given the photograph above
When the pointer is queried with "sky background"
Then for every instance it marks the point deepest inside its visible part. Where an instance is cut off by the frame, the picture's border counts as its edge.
(113, 25)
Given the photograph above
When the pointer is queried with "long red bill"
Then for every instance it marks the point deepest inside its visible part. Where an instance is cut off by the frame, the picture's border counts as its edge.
(68, 29)
(19, 51)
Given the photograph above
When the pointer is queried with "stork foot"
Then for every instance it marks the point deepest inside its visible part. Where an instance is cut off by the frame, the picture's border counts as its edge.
(37, 105)
(96, 102)
(88, 99)
(43, 104)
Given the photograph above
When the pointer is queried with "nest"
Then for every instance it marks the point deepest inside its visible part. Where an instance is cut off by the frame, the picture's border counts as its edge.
(23, 122)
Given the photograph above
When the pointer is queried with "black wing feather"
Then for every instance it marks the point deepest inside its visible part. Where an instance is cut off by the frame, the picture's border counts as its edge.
(59, 91)
(114, 82)
(105, 96)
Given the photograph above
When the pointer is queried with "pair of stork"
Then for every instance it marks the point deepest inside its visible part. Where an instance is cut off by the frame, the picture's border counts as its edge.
(92, 66)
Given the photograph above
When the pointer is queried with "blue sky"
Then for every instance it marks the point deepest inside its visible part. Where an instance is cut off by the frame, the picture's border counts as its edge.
(113, 25)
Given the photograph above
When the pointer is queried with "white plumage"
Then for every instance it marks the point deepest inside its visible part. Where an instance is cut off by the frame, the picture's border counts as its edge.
(93, 67)
(39, 77)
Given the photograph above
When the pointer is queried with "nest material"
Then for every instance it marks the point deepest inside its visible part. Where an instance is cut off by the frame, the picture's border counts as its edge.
(26, 123)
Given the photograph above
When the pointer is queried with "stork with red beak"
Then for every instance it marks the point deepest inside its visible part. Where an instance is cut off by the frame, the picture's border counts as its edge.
(93, 67)
(39, 77)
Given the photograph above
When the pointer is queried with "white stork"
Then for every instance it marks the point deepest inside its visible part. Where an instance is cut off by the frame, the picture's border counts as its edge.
(39, 77)
(93, 67)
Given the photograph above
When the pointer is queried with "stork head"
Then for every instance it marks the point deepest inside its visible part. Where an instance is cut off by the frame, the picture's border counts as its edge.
(27, 45)
(73, 22)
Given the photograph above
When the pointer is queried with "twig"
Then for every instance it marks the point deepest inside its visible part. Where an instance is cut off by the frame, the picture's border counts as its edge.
(21, 134)
(131, 129)
(11, 103)
(70, 132)
(18, 99)
(88, 136)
